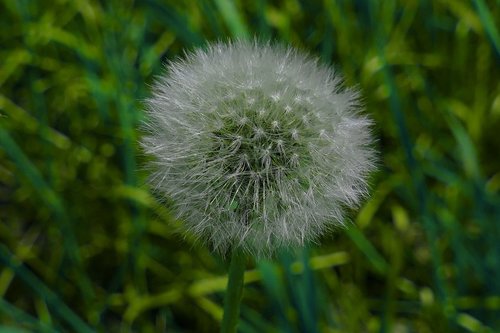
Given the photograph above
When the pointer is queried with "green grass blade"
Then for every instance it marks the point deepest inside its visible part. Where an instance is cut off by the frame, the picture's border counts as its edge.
(232, 18)
(489, 25)
(20, 316)
(57, 305)
(50, 198)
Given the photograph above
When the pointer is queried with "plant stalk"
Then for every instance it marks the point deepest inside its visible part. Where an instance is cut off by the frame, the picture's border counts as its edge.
(234, 291)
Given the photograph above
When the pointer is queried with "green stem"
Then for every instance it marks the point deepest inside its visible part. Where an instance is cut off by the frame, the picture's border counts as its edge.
(234, 291)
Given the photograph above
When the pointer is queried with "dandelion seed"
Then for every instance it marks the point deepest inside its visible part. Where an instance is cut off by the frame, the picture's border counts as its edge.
(259, 133)
(252, 159)
(276, 96)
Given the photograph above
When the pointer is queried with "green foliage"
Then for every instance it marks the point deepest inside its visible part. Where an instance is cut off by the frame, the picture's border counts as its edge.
(85, 247)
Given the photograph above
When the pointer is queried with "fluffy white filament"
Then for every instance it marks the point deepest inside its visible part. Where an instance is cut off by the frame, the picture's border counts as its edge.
(257, 145)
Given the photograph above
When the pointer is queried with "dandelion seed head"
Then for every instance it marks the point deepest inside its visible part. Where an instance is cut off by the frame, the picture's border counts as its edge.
(258, 146)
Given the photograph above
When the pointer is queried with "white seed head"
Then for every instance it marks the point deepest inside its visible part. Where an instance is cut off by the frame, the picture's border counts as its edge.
(257, 145)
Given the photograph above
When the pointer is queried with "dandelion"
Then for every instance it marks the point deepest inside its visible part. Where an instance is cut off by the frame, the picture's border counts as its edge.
(258, 146)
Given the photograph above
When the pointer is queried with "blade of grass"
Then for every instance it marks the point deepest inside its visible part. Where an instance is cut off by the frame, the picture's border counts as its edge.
(271, 279)
(415, 172)
(57, 305)
(22, 317)
(309, 301)
(365, 246)
(470, 162)
(216, 284)
(211, 15)
(263, 27)
(489, 25)
(50, 198)
(175, 21)
(233, 19)
(297, 292)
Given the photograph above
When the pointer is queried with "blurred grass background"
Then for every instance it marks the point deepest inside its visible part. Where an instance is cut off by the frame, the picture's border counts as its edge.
(84, 247)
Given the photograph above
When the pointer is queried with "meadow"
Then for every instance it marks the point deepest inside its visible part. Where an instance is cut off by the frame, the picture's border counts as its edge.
(85, 246)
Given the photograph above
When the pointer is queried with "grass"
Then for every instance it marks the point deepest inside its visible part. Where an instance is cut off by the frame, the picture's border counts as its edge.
(85, 247)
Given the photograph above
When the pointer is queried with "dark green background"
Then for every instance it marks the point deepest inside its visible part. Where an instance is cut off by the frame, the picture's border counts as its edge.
(85, 247)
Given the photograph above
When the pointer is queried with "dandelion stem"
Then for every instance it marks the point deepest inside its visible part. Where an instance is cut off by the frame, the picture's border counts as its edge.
(234, 291)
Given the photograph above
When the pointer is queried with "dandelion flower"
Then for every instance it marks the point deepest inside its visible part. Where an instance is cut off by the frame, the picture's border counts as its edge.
(258, 146)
